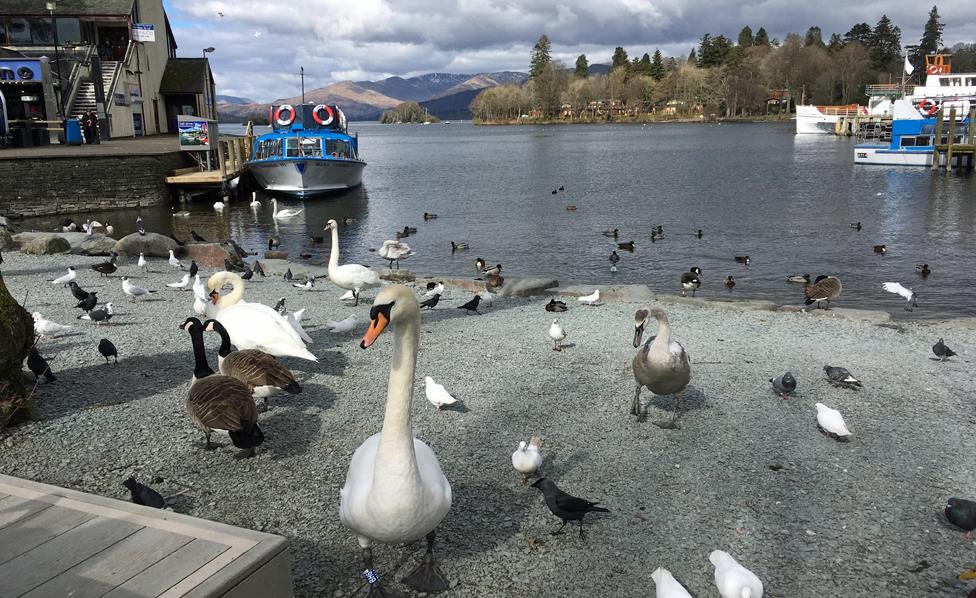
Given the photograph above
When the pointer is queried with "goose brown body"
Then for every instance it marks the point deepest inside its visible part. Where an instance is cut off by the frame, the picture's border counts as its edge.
(826, 288)
(260, 371)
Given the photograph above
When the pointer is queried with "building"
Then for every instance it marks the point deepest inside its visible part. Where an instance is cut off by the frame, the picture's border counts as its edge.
(110, 56)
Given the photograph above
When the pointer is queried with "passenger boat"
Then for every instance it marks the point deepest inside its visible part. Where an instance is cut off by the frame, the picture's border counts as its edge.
(308, 151)
(912, 137)
(822, 120)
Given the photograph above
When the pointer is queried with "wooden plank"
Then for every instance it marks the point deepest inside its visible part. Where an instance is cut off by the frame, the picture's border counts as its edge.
(29, 533)
(114, 566)
(52, 558)
(15, 508)
(168, 572)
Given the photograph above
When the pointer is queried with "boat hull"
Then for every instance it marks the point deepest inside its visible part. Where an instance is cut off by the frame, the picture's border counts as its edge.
(882, 155)
(307, 177)
(810, 121)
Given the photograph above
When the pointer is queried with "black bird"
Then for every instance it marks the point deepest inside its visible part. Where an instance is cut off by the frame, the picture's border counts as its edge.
(472, 306)
(561, 188)
(566, 507)
(742, 259)
(730, 282)
(429, 216)
(556, 306)
(230, 267)
(784, 384)
(79, 293)
(140, 226)
(193, 268)
(962, 513)
(89, 302)
(144, 495)
(257, 267)
(273, 243)
(614, 258)
(856, 225)
(97, 315)
(923, 270)
(316, 239)
(197, 237)
(555, 191)
(431, 303)
(107, 349)
(280, 306)
(691, 281)
(942, 351)
(839, 376)
(178, 242)
(627, 245)
(106, 268)
(248, 274)
(38, 365)
(882, 249)
(698, 233)
(288, 274)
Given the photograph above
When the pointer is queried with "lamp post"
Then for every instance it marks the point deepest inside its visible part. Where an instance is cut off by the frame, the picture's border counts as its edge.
(206, 91)
(51, 7)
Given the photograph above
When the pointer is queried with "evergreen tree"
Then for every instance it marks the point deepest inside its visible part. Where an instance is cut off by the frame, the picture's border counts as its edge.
(644, 67)
(582, 70)
(692, 59)
(619, 58)
(657, 66)
(704, 50)
(745, 37)
(762, 38)
(540, 56)
(836, 43)
(814, 37)
(713, 51)
(671, 65)
(931, 41)
(885, 46)
(860, 33)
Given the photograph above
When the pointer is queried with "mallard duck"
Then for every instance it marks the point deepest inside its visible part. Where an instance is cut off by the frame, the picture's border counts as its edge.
(627, 245)
(923, 270)
(496, 269)
(698, 233)
(661, 364)
(106, 268)
(556, 306)
(459, 246)
(611, 233)
(742, 259)
(691, 281)
(428, 216)
(824, 288)
(856, 225)
(882, 249)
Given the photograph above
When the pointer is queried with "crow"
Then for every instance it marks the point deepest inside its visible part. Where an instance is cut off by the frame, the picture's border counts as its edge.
(566, 507)
(431, 303)
(144, 495)
(197, 237)
(472, 306)
(107, 349)
(38, 365)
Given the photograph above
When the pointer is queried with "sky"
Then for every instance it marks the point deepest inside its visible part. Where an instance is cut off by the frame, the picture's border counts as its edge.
(260, 44)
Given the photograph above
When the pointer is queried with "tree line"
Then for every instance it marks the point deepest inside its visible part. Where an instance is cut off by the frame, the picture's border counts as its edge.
(723, 77)
(407, 112)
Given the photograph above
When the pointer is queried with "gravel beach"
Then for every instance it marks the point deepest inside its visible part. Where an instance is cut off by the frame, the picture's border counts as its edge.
(747, 472)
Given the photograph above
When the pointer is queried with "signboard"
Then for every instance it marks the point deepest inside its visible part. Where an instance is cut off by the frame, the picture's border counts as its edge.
(143, 32)
(21, 71)
(195, 133)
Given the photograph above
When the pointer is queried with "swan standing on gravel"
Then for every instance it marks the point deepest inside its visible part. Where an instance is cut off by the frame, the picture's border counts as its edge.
(253, 325)
(662, 365)
(395, 490)
(353, 277)
(288, 213)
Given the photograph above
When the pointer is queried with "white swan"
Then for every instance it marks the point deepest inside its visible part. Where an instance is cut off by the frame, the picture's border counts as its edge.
(282, 213)
(254, 325)
(395, 490)
(219, 206)
(353, 277)
(254, 200)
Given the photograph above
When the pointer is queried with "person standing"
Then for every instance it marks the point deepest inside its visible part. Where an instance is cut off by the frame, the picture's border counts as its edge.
(93, 126)
(86, 127)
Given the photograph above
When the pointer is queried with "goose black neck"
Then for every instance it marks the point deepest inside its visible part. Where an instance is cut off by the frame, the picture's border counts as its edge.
(224, 349)
(201, 369)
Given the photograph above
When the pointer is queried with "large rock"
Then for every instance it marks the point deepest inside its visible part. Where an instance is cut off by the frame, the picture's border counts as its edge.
(150, 244)
(94, 245)
(6, 241)
(211, 254)
(526, 287)
(612, 293)
(46, 245)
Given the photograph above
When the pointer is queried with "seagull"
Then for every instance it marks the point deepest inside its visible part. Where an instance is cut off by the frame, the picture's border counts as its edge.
(732, 579)
(98, 315)
(201, 296)
(142, 262)
(294, 320)
(565, 506)
(182, 284)
(67, 278)
(942, 351)
(437, 394)
(434, 288)
(784, 384)
(430, 303)
(45, 327)
(140, 225)
(472, 305)
(342, 326)
(132, 290)
(908, 294)
(691, 281)
(832, 423)
(527, 458)
(487, 299)
(107, 349)
(144, 495)
(174, 262)
(557, 334)
(839, 376)
(667, 586)
(307, 285)
(258, 33)
(591, 299)
(38, 365)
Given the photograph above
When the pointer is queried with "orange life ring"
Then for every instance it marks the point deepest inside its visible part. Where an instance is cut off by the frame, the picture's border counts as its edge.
(928, 107)
(933, 69)
(318, 118)
(284, 122)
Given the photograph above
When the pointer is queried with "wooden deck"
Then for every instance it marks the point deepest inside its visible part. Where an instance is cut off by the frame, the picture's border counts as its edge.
(57, 542)
(232, 155)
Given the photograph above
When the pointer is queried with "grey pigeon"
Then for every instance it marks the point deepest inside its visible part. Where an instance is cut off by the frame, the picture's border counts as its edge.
(288, 274)
(784, 384)
(962, 513)
(566, 507)
(839, 376)
(942, 351)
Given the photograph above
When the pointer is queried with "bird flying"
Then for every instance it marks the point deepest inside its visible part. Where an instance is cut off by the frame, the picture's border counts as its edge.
(908, 294)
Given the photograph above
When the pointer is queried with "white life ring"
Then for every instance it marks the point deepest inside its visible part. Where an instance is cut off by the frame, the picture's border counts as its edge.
(284, 122)
(316, 114)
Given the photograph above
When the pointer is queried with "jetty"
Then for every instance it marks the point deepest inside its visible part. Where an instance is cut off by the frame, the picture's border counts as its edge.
(957, 143)
(232, 154)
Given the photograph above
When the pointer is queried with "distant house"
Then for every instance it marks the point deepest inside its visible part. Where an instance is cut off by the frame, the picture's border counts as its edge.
(778, 100)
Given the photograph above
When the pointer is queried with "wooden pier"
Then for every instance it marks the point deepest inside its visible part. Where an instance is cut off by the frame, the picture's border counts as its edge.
(232, 154)
(958, 146)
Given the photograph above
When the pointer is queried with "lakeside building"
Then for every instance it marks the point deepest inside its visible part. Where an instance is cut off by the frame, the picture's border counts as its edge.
(64, 58)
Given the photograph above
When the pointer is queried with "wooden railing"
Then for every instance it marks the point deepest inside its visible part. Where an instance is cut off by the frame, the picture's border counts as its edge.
(232, 154)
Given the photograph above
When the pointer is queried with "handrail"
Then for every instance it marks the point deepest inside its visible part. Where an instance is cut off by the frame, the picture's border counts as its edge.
(110, 92)
(75, 80)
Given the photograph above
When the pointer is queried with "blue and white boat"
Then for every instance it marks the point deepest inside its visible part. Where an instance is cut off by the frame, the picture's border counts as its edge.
(912, 137)
(308, 151)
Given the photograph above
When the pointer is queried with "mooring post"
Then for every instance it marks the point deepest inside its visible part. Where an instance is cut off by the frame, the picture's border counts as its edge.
(951, 138)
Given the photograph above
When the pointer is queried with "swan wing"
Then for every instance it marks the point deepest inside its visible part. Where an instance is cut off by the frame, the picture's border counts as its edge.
(257, 326)
(354, 274)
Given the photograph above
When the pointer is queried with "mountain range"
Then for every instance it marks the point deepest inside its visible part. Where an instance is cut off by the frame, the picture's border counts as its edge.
(445, 95)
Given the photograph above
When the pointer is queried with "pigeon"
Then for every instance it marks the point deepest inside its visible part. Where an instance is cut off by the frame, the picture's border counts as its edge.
(288, 275)
(201, 296)
(839, 376)
(437, 394)
(45, 327)
(182, 284)
(248, 274)
(142, 263)
(38, 365)
(197, 237)
(258, 268)
(294, 320)
(566, 507)
(132, 290)
(962, 513)
(556, 306)
(280, 306)
(472, 305)
(732, 579)
(89, 302)
(107, 349)
(527, 458)
(98, 315)
(307, 285)
(430, 303)
(557, 334)
(784, 384)
(140, 225)
(144, 495)
(194, 268)
(67, 278)
(691, 281)
(831, 423)
(908, 294)
(79, 293)
(942, 351)
(591, 299)
(342, 326)
(667, 586)
(106, 268)
(174, 262)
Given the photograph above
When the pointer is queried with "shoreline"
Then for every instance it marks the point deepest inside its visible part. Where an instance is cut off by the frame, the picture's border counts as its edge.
(627, 121)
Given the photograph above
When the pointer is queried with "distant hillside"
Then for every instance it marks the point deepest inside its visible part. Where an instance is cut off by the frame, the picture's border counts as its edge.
(233, 100)
(453, 107)
(415, 89)
(484, 80)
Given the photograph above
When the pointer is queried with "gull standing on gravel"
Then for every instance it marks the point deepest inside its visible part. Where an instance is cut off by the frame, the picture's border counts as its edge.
(45, 327)
(908, 294)
(557, 334)
(434, 289)
(942, 351)
(527, 458)
(294, 320)
(182, 284)
(839, 376)
(142, 262)
(591, 299)
(831, 423)
(487, 298)
(784, 384)
(67, 278)
(132, 290)
(342, 326)
(667, 586)
(437, 394)
(732, 579)
(305, 286)
(174, 262)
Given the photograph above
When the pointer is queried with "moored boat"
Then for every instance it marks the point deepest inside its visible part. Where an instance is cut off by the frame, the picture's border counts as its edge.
(912, 138)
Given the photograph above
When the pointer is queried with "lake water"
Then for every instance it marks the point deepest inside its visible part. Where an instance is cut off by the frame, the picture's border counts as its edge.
(754, 189)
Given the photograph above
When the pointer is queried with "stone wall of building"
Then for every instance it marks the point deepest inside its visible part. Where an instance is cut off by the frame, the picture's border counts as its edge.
(41, 186)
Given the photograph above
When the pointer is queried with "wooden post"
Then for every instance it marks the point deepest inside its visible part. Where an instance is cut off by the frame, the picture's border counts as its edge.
(950, 139)
(937, 141)
(220, 157)
(972, 126)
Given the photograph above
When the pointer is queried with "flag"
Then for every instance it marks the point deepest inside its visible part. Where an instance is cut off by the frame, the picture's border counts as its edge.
(909, 69)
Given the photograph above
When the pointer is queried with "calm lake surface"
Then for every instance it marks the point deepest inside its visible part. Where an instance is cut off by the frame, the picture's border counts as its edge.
(755, 189)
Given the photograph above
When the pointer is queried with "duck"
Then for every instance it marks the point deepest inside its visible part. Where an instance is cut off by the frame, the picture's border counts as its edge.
(557, 333)
(882, 249)
(286, 213)
(109, 229)
(262, 373)
(730, 282)
(429, 216)
(856, 225)
(316, 239)
(562, 188)
(556, 306)
(627, 245)
(180, 213)
(254, 200)
(691, 281)
(611, 233)
(462, 246)
(219, 206)
(106, 268)
(824, 288)
(273, 243)
(253, 325)
(494, 281)
(570, 208)
(698, 233)
(217, 402)
(494, 270)
(661, 364)
(479, 265)
(923, 270)
(353, 277)
(742, 259)
(527, 458)
(614, 257)
(395, 491)
(799, 278)
(394, 251)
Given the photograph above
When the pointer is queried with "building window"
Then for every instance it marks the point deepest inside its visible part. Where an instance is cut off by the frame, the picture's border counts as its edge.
(42, 32)
(69, 31)
(18, 31)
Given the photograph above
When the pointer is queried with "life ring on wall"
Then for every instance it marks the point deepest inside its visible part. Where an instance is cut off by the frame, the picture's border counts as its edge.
(284, 121)
(928, 107)
(933, 69)
(316, 114)
(25, 73)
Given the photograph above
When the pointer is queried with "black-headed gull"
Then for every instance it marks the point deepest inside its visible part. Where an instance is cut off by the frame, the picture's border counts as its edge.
(64, 280)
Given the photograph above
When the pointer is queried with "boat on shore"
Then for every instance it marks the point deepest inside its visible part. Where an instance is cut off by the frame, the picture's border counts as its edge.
(309, 151)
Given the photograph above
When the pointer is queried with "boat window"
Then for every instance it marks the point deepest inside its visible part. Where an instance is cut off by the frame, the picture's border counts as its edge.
(907, 141)
(338, 148)
(291, 148)
(970, 81)
(311, 147)
(923, 140)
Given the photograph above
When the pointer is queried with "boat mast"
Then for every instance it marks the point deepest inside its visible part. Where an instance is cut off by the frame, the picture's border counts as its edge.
(301, 72)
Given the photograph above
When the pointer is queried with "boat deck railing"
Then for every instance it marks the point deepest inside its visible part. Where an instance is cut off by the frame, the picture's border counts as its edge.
(888, 89)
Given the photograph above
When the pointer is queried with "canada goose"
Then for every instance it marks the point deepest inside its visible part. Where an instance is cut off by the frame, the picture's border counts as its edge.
(824, 288)
(799, 278)
(556, 306)
(106, 268)
(352, 277)
(882, 249)
(742, 259)
(217, 402)
(923, 270)
(856, 225)
(627, 245)
(661, 364)
(459, 246)
(611, 233)
(698, 233)
(429, 216)
(729, 282)
(691, 281)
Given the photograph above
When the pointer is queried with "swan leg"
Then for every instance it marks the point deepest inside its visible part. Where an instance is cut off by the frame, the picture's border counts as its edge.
(672, 423)
(635, 406)
(355, 296)
(376, 588)
(428, 577)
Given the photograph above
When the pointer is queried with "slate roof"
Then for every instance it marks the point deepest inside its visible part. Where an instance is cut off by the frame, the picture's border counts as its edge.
(67, 7)
(184, 75)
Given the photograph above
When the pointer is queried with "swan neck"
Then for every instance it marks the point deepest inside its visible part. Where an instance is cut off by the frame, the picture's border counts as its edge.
(395, 455)
(663, 333)
(201, 369)
(334, 253)
(236, 294)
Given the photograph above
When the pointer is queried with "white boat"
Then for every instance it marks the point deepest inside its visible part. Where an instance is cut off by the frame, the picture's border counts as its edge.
(912, 138)
(822, 120)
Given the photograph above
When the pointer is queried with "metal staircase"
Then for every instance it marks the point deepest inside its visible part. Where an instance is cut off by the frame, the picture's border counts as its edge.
(85, 100)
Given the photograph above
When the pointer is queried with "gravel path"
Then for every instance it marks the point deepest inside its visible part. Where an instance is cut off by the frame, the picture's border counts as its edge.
(747, 472)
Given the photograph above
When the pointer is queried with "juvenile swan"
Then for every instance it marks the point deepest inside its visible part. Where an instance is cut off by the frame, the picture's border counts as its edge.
(661, 365)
